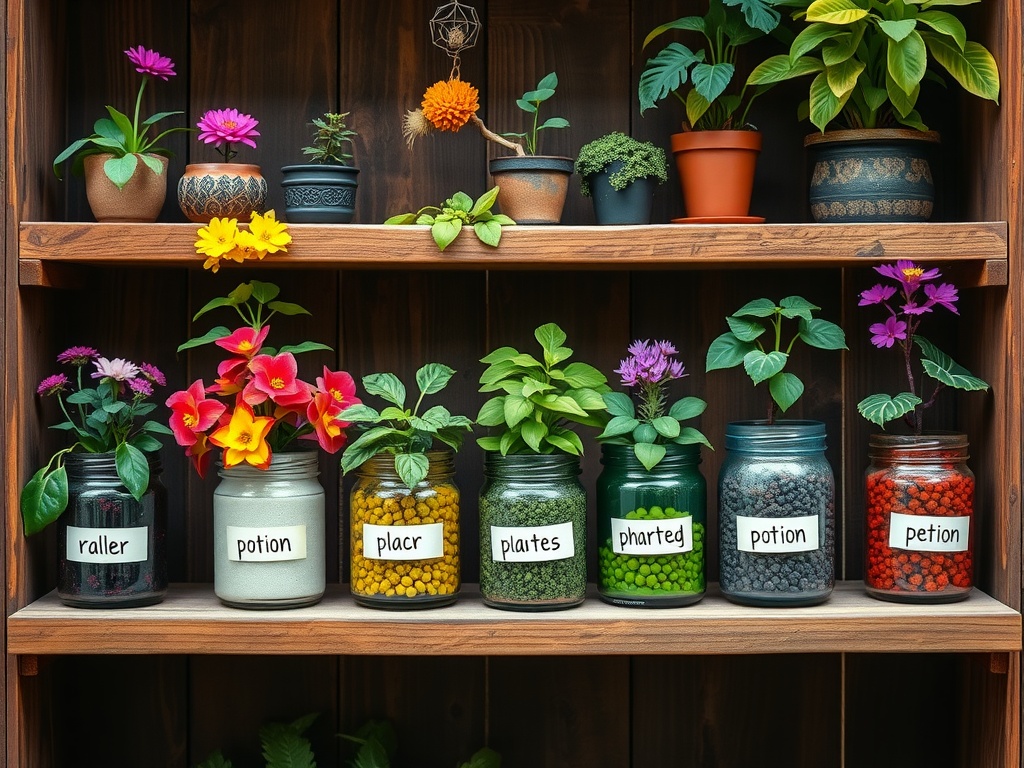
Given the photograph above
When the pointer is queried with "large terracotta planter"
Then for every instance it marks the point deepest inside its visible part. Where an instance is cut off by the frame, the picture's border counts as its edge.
(532, 189)
(221, 190)
(140, 200)
(871, 175)
(716, 171)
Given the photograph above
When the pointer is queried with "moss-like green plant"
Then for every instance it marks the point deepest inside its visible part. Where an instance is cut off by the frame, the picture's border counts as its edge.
(640, 160)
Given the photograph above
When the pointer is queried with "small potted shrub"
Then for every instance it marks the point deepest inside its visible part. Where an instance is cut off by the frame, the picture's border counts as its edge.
(324, 189)
(863, 100)
(620, 173)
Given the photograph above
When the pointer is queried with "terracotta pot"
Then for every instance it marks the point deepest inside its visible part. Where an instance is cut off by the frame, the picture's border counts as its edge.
(716, 171)
(221, 190)
(871, 175)
(139, 201)
(532, 189)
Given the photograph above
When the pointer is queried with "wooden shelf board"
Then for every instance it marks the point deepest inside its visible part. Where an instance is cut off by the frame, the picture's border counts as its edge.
(191, 620)
(981, 246)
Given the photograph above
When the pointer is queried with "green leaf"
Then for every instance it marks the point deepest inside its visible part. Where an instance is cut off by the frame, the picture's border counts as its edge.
(689, 23)
(306, 346)
(880, 409)
(974, 68)
(516, 408)
(665, 73)
(645, 433)
(548, 82)
(462, 202)
(822, 334)
(583, 375)
(897, 29)
(489, 443)
(492, 413)
(533, 432)
(115, 407)
(824, 105)
(945, 24)
(484, 202)
(838, 12)
(726, 352)
(907, 61)
(284, 747)
(359, 413)
(85, 397)
(711, 80)
(761, 366)
(744, 330)
(690, 436)
(526, 106)
(554, 122)
(209, 337)
(943, 368)
(532, 386)
(412, 468)
(559, 404)
(393, 413)
(364, 447)
(264, 293)
(387, 386)
(402, 218)
(557, 355)
(287, 308)
(785, 389)
(488, 232)
(756, 308)
(121, 169)
(433, 377)
(797, 306)
(215, 760)
(527, 361)
(43, 499)
(618, 404)
(445, 232)
(500, 355)
(146, 443)
(666, 426)
(156, 427)
(812, 36)
(649, 454)
(777, 69)
(618, 425)
(550, 337)
(132, 468)
(564, 444)
(687, 408)
(587, 398)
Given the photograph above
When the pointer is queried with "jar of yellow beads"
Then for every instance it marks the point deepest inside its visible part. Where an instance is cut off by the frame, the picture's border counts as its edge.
(405, 541)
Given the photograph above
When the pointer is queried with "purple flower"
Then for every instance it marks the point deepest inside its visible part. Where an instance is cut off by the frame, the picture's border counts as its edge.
(141, 387)
(666, 348)
(907, 273)
(944, 295)
(876, 295)
(887, 333)
(650, 363)
(77, 355)
(117, 369)
(149, 62)
(913, 308)
(224, 127)
(51, 385)
(154, 374)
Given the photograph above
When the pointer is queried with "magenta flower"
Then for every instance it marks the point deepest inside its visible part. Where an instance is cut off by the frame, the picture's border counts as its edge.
(225, 127)
(907, 273)
(944, 295)
(153, 373)
(78, 356)
(51, 385)
(117, 369)
(150, 62)
(141, 387)
(886, 334)
(876, 295)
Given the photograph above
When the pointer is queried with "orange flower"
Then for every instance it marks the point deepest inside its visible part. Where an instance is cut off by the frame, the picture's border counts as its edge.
(449, 104)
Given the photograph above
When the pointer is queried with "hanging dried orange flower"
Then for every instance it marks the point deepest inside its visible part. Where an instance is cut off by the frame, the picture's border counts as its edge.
(449, 104)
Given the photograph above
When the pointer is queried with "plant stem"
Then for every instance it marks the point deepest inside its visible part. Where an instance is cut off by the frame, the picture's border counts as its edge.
(135, 123)
(491, 136)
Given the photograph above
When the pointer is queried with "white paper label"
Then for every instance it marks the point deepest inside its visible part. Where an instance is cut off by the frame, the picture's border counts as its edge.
(773, 535)
(652, 537)
(926, 533)
(107, 545)
(403, 542)
(265, 545)
(532, 543)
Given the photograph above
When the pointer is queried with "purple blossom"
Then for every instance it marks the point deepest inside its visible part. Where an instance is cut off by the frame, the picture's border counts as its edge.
(78, 356)
(650, 364)
(944, 295)
(149, 62)
(886, 334)
(154, 374)
(117, 369)
(141, 387)
(913, 308)
(876, 295)
(51, 385)
(909, 274)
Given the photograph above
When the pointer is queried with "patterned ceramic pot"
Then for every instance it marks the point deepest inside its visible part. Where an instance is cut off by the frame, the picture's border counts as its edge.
(322, 194)
(221, 190)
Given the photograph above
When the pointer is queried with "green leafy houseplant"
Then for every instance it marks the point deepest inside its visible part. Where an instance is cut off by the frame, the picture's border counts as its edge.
(744, 343)
(870, 57)
(648, 369)
(542, 397)
(640, 160)
(401, 431)
(701, 79)
(530, 103)
(459, 210)
(329, 140)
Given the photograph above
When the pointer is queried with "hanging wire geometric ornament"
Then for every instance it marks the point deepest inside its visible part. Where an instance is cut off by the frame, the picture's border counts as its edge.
(455, 27)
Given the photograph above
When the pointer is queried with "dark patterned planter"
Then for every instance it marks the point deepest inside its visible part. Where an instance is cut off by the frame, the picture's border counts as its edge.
(879, 175)
(221, 190)
(322, 194)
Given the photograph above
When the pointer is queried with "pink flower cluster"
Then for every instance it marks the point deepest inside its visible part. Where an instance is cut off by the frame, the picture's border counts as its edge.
(909, 278)
(137, 379)
(650, 363)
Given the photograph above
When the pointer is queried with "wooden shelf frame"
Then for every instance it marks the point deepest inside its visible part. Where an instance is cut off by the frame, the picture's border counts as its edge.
(979, 249)
(191, 620)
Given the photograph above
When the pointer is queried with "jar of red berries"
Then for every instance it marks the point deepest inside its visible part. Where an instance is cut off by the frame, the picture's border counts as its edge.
(919, 518)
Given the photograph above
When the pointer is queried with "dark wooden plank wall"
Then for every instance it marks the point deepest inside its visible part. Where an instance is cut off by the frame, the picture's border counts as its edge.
(375, 59)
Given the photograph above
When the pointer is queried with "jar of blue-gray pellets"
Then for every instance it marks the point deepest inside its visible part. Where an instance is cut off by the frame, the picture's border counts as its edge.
(776, 514)
(533, 522)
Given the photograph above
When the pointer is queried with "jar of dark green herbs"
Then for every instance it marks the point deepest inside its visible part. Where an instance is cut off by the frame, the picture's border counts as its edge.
(533, 521)
(651, 528)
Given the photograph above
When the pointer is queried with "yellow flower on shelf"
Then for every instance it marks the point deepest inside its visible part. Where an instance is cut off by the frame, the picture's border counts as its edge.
(223, 240)
(217, 238)
(272, 233)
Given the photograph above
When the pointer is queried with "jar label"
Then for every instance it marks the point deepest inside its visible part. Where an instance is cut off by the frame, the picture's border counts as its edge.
(929, 533)
(403, 542)
(107, 545)
(266, 545)
(652, 537)
(775, 535)
(532, 543)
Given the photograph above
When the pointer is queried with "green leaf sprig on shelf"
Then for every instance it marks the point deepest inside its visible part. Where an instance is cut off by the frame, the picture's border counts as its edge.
(743, 343)
(458, 210)
(648, 369)
(106, 418)
(868, 60)
(901, 327)
(541, 397)
(329, 139)
(403, 431)
(284, 745)
(530, 103)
